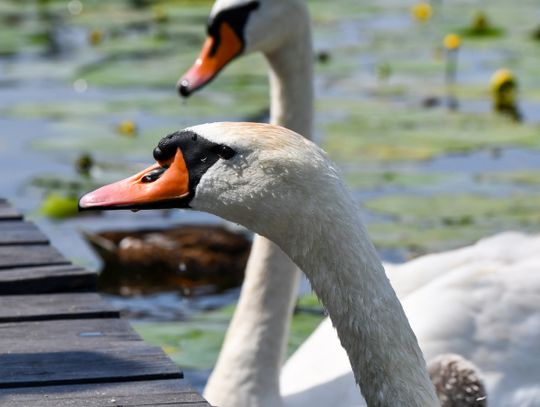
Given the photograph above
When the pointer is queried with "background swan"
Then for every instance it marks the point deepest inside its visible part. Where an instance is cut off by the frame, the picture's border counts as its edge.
(257, 334)
(480, 302)
(282, 186)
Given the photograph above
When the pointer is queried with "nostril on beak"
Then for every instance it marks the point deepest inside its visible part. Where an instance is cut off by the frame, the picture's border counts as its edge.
(183, 88)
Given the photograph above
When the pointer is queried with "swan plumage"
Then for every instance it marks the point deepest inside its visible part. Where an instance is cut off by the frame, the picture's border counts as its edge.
(480, 302)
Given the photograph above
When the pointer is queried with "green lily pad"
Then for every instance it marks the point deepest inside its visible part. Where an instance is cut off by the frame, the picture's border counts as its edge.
(366, 179)
(58, 206)
(376, 132)
(427, 223)
(514, 177)
(196, 343)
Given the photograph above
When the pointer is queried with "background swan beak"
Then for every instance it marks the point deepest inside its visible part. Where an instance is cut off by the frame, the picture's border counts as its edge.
(215, 54)
(162, 185)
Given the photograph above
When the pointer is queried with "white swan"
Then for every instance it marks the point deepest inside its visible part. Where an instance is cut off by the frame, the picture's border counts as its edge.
(256, 337)
(282, 186)
(481, 302)
(257, 334)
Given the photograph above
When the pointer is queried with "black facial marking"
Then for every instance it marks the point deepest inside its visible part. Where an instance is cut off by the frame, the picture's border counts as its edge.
(199, 154)
(236, 17)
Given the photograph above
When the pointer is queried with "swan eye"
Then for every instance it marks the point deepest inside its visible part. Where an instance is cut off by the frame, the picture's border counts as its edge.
(223, 151)
(153, 175)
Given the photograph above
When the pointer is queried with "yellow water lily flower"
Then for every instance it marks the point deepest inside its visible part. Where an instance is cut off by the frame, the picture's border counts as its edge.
(95, 37)
(127, 128)
(501, 77)
(452, 41)
(504, 92)
(422, 11)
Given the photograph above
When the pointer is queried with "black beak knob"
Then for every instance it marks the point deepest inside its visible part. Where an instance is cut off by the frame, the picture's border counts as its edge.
(183, 88)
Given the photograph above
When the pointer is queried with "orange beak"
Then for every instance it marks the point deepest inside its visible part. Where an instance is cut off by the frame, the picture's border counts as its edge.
(215, 54)
(162, 185)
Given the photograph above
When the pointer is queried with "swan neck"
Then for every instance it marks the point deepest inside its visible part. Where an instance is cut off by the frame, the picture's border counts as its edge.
(291, 81)
(256, 339)
(247, 370)
(348, 277)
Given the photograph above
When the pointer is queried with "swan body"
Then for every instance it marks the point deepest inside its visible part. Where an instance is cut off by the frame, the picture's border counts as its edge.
(480, 302)
(283, 187)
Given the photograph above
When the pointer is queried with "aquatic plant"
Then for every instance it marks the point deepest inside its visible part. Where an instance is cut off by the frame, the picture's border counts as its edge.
(83, 164)
(59, 206)
(95, 37)
(422, 12)
(127, 128)
(504, 93)
(451, 43)
(481, 26)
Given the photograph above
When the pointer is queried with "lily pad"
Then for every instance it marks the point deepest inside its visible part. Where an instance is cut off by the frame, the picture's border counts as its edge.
(365, 179)
(196, 343)
(514, 177)
(428, 223)
(377, 132)
(58, 206)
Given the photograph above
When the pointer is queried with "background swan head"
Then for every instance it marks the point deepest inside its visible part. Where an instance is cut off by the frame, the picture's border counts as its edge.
(240, 27)
(258, 175)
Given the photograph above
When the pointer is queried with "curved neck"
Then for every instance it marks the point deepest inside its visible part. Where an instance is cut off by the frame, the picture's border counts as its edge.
(345, 272)
(249, 364)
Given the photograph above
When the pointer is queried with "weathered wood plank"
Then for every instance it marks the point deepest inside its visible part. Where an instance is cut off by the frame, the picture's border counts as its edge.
(46, 279)
(20, 232)
(78, 352)
(42, 307)
(135, 361)
(44, 336)
(25, 256)
(132, 394)
(8, 212)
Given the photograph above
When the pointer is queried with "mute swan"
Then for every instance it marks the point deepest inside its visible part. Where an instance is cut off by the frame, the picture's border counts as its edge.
(257, 334)
(255, 340)
(486, 299)
(282, 186)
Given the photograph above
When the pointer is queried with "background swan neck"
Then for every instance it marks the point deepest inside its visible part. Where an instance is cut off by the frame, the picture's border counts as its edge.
(348, 277)
(247, 372)
(248, 368)
(291, 81)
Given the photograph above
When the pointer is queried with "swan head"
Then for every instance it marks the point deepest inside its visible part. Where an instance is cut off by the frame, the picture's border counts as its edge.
(240, 27)
(258, 175)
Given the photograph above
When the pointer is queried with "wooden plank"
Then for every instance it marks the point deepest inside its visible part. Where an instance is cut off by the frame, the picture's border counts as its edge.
(46, 279)
(131, 394)
(49, 353)
(25, 256)
(7, 212)
(52, 336)
(20, 232)
(42, 307)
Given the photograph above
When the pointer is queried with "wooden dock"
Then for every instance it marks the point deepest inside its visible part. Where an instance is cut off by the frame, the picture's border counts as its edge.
(61, 344)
